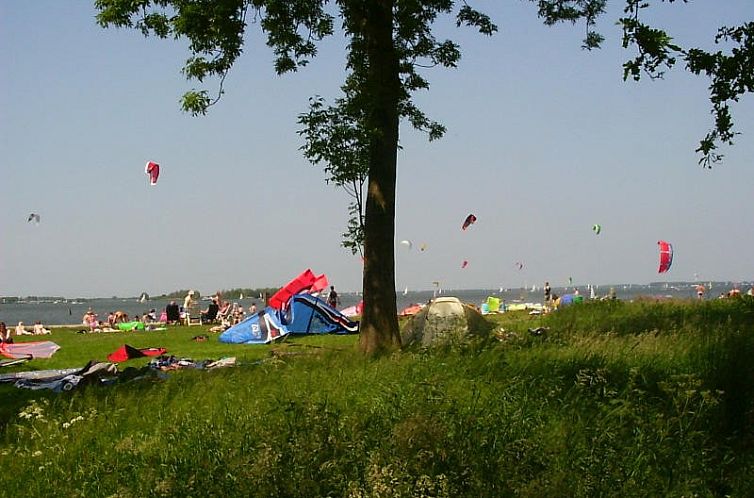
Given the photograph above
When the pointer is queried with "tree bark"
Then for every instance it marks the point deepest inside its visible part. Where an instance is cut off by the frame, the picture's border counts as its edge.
(379, 332)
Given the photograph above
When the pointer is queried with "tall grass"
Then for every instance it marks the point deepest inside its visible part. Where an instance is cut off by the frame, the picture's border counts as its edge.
(662, 409)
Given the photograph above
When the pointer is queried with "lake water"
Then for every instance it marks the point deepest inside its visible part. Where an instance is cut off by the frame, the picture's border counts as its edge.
(70, 313)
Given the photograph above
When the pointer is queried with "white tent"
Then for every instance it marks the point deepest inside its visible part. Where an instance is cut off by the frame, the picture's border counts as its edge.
(445, 321)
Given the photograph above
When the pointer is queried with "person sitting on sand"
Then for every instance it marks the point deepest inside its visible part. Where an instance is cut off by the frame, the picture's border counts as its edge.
(21, 330)
(40, 329)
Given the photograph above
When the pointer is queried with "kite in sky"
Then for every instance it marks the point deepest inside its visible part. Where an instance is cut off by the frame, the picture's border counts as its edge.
(153, 170)
(666, 256)
(464, 264)
(423, 247)
(519, 265)
(470, 220)
(33, 217)
(596, 229)
(407, 244)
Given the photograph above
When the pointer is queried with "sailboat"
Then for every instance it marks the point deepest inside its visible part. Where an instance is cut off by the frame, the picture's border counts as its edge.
(437, 289)
(144, 297)
(405, 291)
(240, 296)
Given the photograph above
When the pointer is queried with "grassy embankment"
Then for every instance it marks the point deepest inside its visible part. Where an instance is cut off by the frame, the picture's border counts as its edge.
(616, 399)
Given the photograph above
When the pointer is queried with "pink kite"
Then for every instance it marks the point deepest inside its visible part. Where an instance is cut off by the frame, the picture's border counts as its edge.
(470, 220)
(411, 310)
(44, 349)
(305, 282)
(153, 170)
(354, 310)
(666, 256)
(465, 263)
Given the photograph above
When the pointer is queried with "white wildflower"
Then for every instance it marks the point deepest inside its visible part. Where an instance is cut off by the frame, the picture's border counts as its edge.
(66, 425)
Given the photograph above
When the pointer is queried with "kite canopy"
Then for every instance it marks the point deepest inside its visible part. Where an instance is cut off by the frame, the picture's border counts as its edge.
(44, 349)
(127, 352)
(33, 217)
(153, 171)
(519, 265)
(596, 229)
(411, 309)
(262, 327)
(470, 220)
(407, 244)
(465, 263)
(666, 256)
(305, 282)
(305, 314)
(356, 309)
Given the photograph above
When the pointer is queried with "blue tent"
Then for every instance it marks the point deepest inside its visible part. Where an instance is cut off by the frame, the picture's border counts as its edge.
(305, 314)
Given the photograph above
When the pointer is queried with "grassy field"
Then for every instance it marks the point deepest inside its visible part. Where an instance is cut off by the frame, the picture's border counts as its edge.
(614, 399)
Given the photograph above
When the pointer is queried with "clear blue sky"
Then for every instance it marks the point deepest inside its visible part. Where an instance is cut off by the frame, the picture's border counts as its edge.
(544, 140)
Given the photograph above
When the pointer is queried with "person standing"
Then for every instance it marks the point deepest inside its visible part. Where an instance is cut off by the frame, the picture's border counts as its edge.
(700, 292)
(332, 297)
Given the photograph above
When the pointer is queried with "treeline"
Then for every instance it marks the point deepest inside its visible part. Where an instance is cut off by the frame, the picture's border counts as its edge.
(236, 293)
(248, 293)
(17, 299)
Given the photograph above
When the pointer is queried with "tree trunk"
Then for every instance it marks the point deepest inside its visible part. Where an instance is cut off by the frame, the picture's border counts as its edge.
(379, 331)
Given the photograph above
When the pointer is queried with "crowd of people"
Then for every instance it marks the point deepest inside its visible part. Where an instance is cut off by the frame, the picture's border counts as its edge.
(218, 311)
(36, 329)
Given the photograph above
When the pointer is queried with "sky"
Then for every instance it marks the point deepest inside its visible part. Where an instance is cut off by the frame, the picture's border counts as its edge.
(544, 140)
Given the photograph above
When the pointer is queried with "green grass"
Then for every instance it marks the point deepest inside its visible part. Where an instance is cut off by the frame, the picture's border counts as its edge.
(77, 349)
(645, 399)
